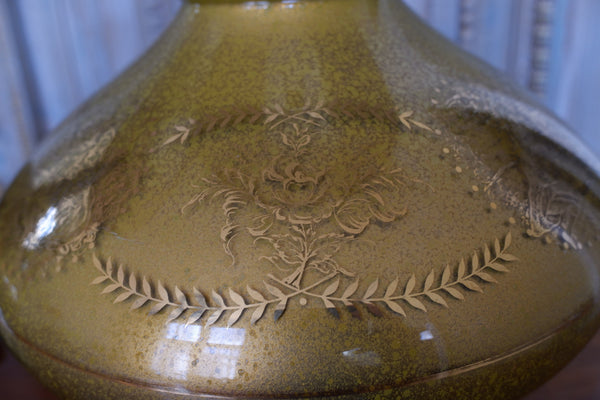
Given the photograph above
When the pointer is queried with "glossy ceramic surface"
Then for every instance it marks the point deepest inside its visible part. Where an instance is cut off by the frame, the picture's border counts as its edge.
(302, 199)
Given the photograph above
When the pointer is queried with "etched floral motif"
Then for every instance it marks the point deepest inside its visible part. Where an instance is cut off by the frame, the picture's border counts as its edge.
(301, 200)
(305, 217)
(84, 240)
(296, 193)
(553, 211)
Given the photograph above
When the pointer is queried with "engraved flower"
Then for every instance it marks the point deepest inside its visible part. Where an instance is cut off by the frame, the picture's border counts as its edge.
(297, 194)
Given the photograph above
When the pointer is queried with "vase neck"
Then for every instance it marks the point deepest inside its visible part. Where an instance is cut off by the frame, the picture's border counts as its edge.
(385, 8)
(292, 52)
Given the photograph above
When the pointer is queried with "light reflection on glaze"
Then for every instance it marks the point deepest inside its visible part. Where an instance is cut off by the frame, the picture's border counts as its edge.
(43, 228)
(288, 3)
(361, 357)
(227, 336)
(217, 358)
(426, 335)
(432, 336)
(172, 361)
(219, 362)
(223, 352)
(187, 333)
(256, 5)
(14, 293)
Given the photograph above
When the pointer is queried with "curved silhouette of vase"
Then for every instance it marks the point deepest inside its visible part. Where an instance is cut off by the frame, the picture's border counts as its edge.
(302, 199)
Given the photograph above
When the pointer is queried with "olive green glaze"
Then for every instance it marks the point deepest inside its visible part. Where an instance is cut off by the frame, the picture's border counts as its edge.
(309, 199)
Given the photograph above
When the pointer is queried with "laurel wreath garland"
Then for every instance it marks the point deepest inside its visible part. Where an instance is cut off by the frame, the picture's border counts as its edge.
(467, 277)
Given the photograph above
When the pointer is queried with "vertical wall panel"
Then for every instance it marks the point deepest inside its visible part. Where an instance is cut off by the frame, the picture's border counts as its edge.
(494, 32)
(154, 17)
(17, 125)
(518, 57)
(122, 32)
(440, 14)
(576, 89)
(542, 34)
(47, 42)
(560, 47)
(87, 45)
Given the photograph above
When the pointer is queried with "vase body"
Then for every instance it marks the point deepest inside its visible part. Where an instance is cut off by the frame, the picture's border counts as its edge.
(302, 199)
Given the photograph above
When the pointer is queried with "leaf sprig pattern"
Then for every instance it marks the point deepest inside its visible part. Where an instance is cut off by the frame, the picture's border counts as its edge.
(452, 283)
(309, 114)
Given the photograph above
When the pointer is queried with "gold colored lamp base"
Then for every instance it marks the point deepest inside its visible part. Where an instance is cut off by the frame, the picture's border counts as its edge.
(312, 199)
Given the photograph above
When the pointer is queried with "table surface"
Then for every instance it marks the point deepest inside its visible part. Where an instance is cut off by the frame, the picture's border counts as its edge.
(580, 380)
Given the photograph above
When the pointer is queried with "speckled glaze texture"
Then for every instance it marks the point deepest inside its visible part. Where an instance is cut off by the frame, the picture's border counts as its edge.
(302, 199)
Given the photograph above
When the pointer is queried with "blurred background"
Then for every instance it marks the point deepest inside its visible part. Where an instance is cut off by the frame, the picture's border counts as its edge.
(54, 54)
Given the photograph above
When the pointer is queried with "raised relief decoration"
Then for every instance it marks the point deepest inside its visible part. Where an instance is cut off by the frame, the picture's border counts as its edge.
(304, 217)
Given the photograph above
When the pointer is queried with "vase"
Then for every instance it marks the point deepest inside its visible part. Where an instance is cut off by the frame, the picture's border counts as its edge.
(302, 199)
